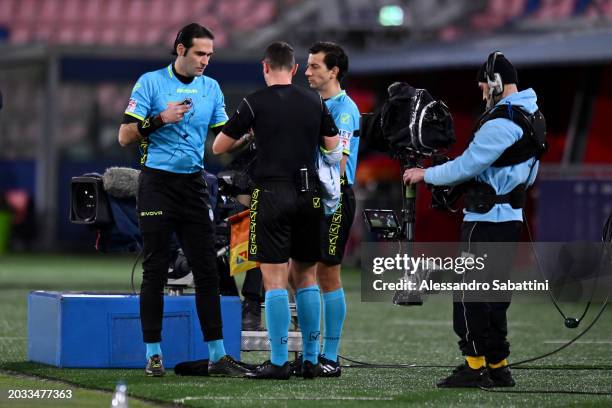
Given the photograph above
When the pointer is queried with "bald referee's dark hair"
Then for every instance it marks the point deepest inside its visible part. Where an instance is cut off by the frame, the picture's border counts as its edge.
(334, 56)
(279, 55)
(186, 35)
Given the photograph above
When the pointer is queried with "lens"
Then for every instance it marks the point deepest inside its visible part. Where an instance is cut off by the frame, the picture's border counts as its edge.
(84, 202)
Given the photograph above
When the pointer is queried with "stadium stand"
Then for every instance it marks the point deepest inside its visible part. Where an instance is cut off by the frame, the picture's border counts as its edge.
(118, 22)
(528, 15)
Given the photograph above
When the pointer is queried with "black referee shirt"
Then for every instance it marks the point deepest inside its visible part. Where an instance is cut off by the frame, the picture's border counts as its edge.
(289, 122)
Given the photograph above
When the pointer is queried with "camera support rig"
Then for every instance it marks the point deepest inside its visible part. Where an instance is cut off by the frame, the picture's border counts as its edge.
(408, 160)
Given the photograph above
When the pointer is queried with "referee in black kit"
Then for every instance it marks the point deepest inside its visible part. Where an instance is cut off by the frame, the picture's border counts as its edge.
(289, 123)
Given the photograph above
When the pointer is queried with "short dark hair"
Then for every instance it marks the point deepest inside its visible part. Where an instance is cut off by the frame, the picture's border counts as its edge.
(279, 55)
(186, 35)
(334, 56)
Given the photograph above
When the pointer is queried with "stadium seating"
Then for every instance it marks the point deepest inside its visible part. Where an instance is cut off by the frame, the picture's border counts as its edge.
(117, 22)
(526, 15)
(498, 13)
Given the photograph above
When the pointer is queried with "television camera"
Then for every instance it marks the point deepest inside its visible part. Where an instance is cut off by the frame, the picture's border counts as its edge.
(411, 126)
(107, 204)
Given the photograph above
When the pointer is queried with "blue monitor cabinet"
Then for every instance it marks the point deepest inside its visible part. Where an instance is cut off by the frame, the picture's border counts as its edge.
(95, 330)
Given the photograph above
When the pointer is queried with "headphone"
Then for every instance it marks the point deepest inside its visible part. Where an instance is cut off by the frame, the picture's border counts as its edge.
(494, 80)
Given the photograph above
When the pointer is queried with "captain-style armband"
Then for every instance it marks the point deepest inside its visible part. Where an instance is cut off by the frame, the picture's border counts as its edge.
(150, 125)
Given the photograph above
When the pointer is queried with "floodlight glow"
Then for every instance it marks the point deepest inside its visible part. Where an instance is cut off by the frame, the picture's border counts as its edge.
(391, 16)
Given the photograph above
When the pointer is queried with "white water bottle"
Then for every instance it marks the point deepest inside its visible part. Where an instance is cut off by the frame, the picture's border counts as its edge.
(120, 396)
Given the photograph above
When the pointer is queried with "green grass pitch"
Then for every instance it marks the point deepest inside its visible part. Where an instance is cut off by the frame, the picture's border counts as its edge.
(374, 332)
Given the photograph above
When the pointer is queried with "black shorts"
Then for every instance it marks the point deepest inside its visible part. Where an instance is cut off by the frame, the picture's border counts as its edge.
(284, 223)
(335, 229)
(166, 200)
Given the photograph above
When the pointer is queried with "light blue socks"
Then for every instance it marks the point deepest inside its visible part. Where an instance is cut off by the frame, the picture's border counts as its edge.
(308, 303)
(277, 321)
(334, 312)
(153, 349)
(216, 350)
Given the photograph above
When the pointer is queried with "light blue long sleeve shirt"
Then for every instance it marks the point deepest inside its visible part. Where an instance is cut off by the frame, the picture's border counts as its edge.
(488, 144)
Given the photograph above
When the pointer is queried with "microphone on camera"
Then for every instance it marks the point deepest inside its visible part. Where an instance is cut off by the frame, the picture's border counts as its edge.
(121, 182)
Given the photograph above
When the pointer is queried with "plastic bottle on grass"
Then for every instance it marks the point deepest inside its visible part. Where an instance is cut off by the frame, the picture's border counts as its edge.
(120, 396)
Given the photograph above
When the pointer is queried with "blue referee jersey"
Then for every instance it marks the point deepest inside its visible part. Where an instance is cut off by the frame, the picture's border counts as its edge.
(177, 147)
(346, 116)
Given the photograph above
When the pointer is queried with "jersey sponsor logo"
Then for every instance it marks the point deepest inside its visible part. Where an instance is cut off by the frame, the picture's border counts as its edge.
(151, 213)
(132, 103)
(345, 118)
(186, 90)
(314, 335)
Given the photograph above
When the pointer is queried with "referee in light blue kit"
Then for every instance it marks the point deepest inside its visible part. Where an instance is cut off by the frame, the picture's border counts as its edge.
(327, 67)
(169, 113)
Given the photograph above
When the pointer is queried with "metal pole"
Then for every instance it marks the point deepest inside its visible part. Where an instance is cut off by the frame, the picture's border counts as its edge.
(408, 297)
(582, 113)
(46, 163)
(409, 207)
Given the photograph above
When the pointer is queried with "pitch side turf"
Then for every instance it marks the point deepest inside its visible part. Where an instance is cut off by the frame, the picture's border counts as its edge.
(374, 332)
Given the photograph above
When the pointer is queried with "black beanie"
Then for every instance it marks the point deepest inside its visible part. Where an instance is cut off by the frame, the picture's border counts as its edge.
(503, 67)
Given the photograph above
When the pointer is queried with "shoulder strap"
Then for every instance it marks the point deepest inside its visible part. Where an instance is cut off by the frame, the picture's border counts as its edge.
(533, 141)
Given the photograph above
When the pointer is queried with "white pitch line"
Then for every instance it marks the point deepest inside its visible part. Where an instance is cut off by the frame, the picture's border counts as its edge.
(415, 322)
(228, 398)
(578, 341)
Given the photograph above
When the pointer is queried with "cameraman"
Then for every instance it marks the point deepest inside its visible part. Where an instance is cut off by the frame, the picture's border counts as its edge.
(289, 123)
(169, 113)
(482, 326)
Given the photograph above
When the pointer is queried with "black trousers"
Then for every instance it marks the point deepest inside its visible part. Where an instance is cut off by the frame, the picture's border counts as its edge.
(167, 203)
(482, 326)
(252, 288)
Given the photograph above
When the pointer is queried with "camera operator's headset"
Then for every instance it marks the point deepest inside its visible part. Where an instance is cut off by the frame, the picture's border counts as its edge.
(494, 80)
